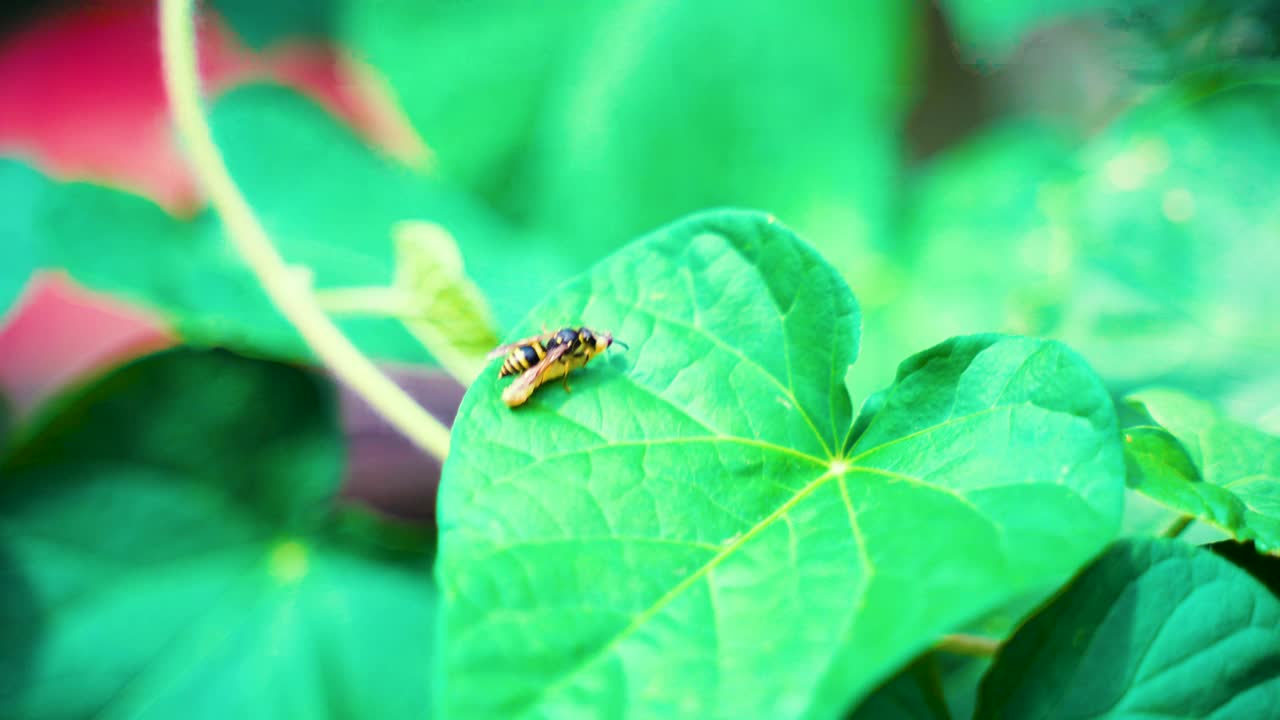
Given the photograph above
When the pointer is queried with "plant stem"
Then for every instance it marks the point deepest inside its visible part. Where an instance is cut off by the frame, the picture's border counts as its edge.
(291, 297)
(364, 301)
(1175, 528)
(972, 645)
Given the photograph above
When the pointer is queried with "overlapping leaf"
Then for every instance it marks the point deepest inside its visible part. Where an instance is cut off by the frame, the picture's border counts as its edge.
(1201, 464)
(915, 693)
(1174, 218)
(985, 245)
(166, 545)
(328, 201)
(682, 535)
(1154, 628)
(675, 107)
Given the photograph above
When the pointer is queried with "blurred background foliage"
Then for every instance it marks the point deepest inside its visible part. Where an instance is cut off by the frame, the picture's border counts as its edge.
(1100, 173)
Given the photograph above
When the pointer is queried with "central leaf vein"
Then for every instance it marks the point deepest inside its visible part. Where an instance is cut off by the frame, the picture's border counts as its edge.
(688, 581)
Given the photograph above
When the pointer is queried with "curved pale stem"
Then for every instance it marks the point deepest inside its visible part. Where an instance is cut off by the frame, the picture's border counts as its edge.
(286, 290)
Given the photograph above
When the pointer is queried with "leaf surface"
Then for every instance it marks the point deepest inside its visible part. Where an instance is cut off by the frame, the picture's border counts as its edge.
(1154, 628)
(681, 534)
(171, 544)
(1205, 465)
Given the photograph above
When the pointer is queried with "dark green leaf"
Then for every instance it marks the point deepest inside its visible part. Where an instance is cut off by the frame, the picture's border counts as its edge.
(1264, 568)
(167, 539)
(681, 534)
(6, 424)
(1154, 628)
(961, 675)
(674, 107)
(1202, 464)
(915, 693)
(261, 24)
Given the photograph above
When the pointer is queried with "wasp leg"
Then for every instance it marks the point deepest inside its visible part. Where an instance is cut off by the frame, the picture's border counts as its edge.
(566, 381)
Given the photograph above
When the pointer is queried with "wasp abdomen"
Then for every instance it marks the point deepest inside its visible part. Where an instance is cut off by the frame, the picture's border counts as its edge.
(522, 358)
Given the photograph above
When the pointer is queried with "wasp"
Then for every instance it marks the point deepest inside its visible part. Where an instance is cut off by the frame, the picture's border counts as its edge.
(542, 358)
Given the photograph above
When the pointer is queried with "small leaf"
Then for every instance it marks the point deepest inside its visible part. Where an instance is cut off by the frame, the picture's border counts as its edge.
(1207, 466)
(171, 545)
(682, 534)
(1154, 628)
(446, 311)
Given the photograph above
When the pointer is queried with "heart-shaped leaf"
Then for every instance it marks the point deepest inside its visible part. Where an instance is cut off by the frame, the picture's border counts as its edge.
(170, 540)
(682, 534)
(1202, 464)
(1154, 628)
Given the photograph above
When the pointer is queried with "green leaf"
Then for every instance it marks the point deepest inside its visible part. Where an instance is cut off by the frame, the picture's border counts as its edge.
(1264, 568)
(961, 675)
(473, 76)
(681, 535)
(626, 146)
(985, 248)
(170, 535)
(1172, 216)
(445, 311)
(261, 24)
(328, 201)
(330, 204)
(915, 693)
(1154, 628)
(993, 27)
(19, 186)
(1207, 466)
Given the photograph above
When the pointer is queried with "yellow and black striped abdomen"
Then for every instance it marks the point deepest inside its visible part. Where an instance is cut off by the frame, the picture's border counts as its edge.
(522, 358)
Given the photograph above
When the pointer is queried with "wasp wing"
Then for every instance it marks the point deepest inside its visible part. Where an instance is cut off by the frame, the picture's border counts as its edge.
(529, 380)
(504, 349)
